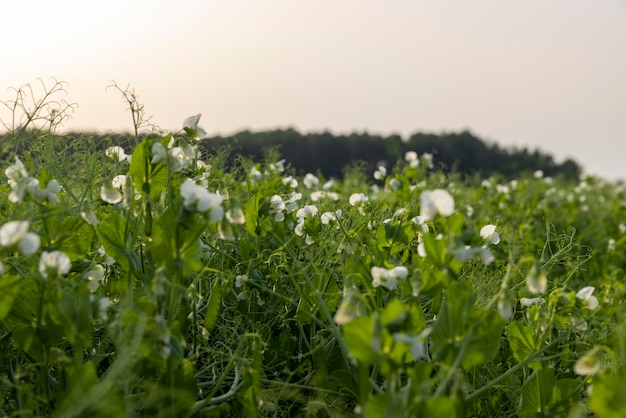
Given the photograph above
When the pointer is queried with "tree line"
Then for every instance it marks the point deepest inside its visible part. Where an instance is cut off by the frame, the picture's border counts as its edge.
(328, 153)
(460, 152)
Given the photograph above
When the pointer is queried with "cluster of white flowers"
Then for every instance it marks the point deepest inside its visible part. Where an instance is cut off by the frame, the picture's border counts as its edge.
(14, 234)
(436, 202)
(380, 173)
(412, 159)
(308, 211)
(278, 206)
(290, 181)
(310, 181)
(177, 158)
(388, 278)
(94, 277)
(54, 264)
(357, 199)
(117, 153)
(328, 217)
(198, 199)
(22, 184)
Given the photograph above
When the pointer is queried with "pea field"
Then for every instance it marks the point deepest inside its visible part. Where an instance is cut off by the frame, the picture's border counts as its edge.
(162, 282)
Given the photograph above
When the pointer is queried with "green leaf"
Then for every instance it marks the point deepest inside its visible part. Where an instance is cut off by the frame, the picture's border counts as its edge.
(484, 340)
(608, 398)
(8, 291)
(213, 307)
(456, 223)
(359, 337)
(562, 395)
(521, 340)
(537, 391)
(440, 406)
(22, 318)
(452, 323)
(252, 215)
(150, 179)
(116, 242)
(176, 243)
(73, 236)
(462, 328)
(395, 315)
(435, 249)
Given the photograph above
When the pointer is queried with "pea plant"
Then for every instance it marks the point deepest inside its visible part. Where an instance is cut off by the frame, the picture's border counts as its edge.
(166, 281)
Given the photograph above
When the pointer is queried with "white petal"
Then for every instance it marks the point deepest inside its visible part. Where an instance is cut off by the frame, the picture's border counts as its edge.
(29, 243)
(110, 195)
(585, 292)
(13, 231)
(192, 121)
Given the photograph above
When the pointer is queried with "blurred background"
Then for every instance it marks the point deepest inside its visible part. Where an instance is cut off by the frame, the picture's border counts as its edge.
(536, 74)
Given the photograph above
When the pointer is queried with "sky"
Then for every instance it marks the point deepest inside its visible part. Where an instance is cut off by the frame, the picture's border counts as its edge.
(547, 75)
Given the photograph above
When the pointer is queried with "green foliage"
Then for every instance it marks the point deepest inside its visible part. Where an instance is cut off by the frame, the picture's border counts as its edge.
(180, 284)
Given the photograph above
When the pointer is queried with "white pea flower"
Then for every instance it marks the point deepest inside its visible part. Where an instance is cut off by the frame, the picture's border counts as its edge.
(48, 193)
(290, 181)
(328, 217)
(117, 153)
(291, 204)
(110, 194)
(277, 206)
(388, 278)
(610, 247)
(436, 202)
(20, 181)
(427, 159)
(589, 364)
(486, 256)
(310, 181)
(536, 281)
(190, 125)
(586, 295)
(15, 233)
(505, 308)
(357, 199)
(181, 157)
(90, 217)
(277, 167)
(489, 234)
(416, 343)
(307, 211)
(351, 306)
(198, 199)
(240, 280)
(108, 260)
(94, 277)
(412, 159)
(380, 173)
(395, 184)
(159, 153)
(255, 175)
(54, 264)
(531, 301)
(236, 216)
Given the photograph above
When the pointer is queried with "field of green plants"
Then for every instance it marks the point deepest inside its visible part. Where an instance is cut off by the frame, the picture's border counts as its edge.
(158, 281)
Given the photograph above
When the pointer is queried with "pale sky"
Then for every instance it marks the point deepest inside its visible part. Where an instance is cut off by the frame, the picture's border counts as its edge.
(537, 73)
